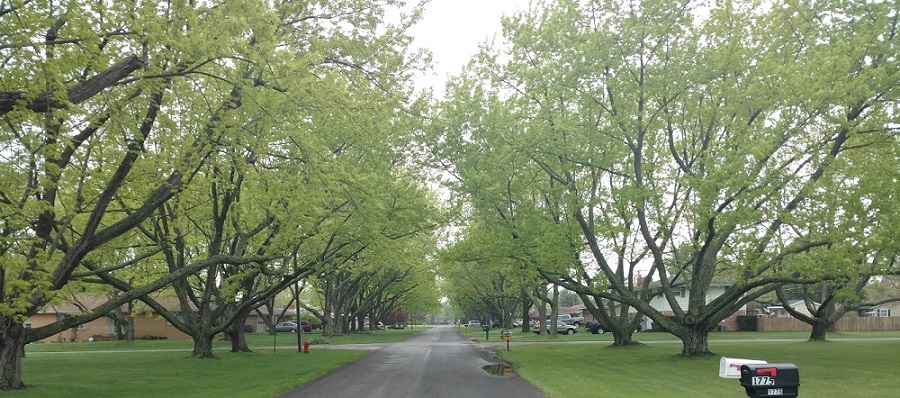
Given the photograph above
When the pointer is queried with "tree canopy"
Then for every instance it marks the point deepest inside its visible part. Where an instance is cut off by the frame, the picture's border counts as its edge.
(691, 143)
(204, 146)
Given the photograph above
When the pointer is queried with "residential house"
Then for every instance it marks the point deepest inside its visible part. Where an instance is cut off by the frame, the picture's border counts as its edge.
(259, 319)
(880, 311)
(575, 310)
(147, 324)
(682, 296)
(779, 310)
(53, 313)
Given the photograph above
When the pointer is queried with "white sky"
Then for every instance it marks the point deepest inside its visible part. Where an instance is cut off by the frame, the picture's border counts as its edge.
(453, 29)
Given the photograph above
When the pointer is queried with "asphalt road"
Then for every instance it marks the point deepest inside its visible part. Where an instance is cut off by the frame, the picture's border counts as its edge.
(438, 362)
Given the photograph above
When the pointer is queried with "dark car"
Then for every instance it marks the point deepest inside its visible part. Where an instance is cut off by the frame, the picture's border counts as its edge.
(594, 327)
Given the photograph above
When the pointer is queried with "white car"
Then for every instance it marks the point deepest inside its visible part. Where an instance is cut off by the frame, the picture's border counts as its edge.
(474, 324)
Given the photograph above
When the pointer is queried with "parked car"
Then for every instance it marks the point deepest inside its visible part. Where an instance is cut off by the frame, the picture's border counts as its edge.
(474, 324)
(291, 327)
(561, 328)
(498, 325)
(594, 327)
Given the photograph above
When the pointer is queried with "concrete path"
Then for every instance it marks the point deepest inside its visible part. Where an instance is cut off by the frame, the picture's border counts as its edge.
(436, 363)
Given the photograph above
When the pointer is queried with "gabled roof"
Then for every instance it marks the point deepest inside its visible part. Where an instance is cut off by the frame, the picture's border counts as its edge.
(72, 306)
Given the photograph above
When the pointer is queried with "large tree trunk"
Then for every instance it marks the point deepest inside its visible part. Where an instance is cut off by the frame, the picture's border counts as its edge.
(329, 313)
(526, 311)
(124, 323)
(696, 342)
(235, 333)
(819, 330)
(554, 313)
(542, 318)
(12, 350)
(338, 327)
(238, 341)
(202, 346)
(201, 334)
(622, 338)
(129, 327)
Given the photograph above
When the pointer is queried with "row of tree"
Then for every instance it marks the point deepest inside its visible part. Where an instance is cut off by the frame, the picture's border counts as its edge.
(220, 151)
(625, 150)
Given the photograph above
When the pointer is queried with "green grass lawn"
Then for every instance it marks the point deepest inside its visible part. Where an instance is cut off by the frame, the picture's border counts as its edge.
(158, 368)
(840, 368)
(846, 369)
(175, 374)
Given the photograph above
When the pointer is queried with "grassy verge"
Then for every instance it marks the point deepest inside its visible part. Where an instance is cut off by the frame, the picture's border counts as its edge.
(827, 369)
(174, 374)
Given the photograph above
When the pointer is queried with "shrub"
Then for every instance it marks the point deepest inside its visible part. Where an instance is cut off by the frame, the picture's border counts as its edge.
(318, 340)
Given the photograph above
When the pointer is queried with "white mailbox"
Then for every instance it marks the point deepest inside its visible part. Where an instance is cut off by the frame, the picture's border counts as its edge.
(730, 368)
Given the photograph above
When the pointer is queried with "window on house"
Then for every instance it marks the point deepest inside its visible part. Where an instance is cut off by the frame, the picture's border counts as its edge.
(885, 312)
(179, 316)
(82, 327)
(27, 325)
(683, 292)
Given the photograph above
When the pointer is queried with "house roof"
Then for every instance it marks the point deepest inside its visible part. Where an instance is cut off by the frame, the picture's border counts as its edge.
(682, 281)
(74, 306)
(575, 309)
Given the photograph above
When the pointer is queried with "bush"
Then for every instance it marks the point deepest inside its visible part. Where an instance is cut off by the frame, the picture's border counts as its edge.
(746, 323)
(317, 340)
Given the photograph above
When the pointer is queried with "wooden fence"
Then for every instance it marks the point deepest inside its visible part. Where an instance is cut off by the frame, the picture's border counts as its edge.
(846, 324)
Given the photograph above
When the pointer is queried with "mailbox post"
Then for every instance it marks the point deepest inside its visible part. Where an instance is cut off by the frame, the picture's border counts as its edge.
(507, 336)
(486, 329)
(770, 380)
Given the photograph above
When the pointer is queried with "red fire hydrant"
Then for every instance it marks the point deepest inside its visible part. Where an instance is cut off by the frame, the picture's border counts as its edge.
(306, 346)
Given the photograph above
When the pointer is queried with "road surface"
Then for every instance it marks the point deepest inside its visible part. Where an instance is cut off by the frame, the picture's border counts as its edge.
(438, 362)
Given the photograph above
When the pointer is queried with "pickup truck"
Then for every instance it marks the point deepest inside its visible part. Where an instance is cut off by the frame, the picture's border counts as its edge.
(571, 320)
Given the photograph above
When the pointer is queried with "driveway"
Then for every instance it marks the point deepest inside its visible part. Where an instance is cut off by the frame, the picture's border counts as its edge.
(438, 362)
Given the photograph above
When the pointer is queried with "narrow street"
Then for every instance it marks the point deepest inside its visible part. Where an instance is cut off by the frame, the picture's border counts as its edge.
(438, 362)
